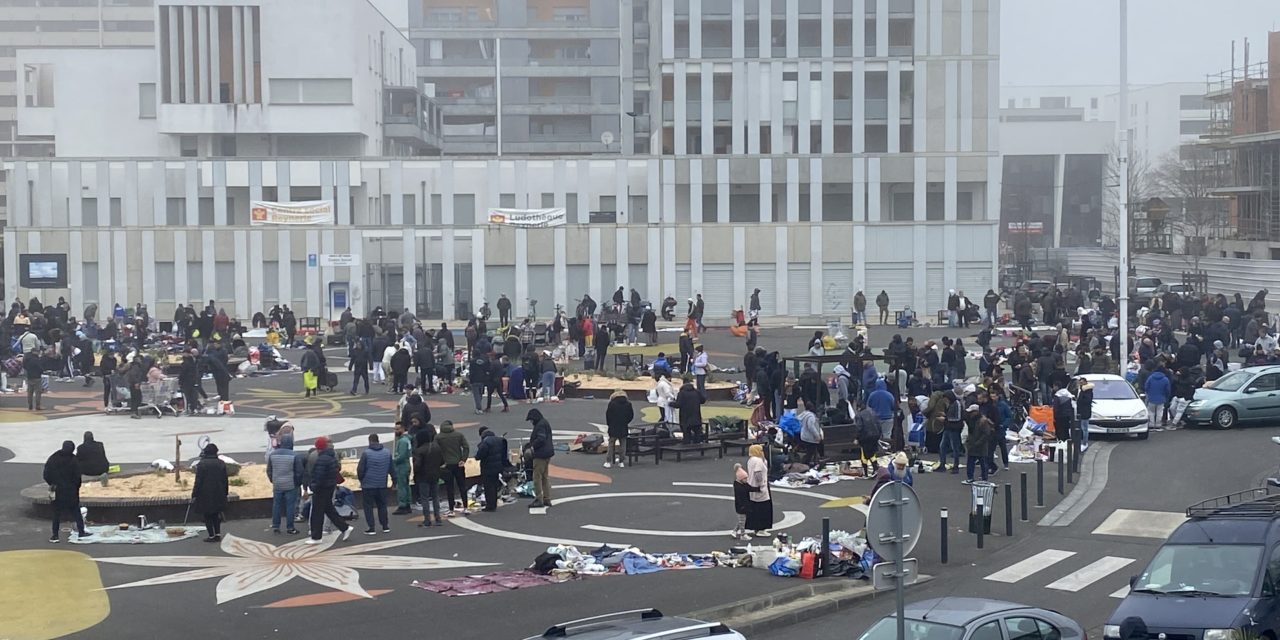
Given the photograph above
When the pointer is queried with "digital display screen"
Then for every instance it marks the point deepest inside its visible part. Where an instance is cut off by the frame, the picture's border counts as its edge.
(43, 270)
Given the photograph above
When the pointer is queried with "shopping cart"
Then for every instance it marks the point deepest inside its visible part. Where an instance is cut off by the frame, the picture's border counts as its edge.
(158, 397)
(118, 394)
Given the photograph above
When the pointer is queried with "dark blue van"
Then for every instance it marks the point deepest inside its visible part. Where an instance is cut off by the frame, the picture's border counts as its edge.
(1217, 577)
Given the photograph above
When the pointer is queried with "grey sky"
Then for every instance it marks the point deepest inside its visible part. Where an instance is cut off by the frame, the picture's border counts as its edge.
(1074, 42)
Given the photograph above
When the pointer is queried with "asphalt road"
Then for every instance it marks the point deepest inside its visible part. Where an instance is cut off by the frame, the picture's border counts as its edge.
(667, 508)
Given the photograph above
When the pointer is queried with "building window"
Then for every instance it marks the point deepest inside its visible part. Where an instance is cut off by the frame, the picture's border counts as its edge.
(89, 288)
(548, 200)
(206, 212)
(1242, 255)
(89, 212)
(188, 146)
(175, 212)
(1093, 103)
(310, 90)
(165, 286)
(271, 282)
(1053, 102)
(298, 274)
(464, 209)
(1193, 127)
(146, 100)
(1193, 102)
(195, 281)
(224, 278)
(506, 200)
(39, 84)
(113, 206)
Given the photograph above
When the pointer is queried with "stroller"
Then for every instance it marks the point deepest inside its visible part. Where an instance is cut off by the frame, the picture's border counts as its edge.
(518, 473)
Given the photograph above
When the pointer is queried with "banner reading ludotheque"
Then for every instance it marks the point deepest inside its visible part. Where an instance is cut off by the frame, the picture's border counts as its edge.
(291, 213)
(528, 218)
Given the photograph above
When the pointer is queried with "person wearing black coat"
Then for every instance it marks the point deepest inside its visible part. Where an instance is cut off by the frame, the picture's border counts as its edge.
(601, 344)
(425, 362)
(400, 364)
(415, 406)
(541, 448)
(106, 367)
(92, 457)
(492, 454)
(221, 375)
(323, 480)
(649, 325)
(358, 364)
(209, 491)
(497, 371)
(62, 474)
(618, 416)
(689, 402)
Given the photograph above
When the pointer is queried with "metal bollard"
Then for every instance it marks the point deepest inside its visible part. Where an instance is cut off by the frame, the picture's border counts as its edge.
(1023, 481)
(981, 521)
(1039, 482)
(1071, 464)
(943, 520)
(1075, 446)
(1062, 476)
(1008, 509)
(824, 558)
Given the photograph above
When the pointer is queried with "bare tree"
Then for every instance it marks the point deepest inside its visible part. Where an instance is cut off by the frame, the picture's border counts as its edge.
(1141, 188)
(1189, 180)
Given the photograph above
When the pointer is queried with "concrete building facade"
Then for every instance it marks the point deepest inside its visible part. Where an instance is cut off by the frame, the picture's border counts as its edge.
(810, 148)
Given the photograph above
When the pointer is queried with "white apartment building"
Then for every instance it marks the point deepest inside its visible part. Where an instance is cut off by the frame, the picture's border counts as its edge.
(810, 148)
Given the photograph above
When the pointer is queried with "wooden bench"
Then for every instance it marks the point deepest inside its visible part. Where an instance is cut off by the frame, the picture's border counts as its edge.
(640, 444)
(688, 447)
(742, 444)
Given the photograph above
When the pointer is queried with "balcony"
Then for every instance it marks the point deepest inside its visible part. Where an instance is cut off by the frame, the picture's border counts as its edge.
(457, 61)
(411, 118)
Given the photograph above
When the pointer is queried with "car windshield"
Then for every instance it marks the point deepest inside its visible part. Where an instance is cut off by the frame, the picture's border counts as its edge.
(1210, 569)
(1112, 390)
(887, 629)
(1148, 282)
(1231, 382)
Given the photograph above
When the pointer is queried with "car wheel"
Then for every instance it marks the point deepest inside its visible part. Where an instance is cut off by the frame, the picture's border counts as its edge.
(1224, 418)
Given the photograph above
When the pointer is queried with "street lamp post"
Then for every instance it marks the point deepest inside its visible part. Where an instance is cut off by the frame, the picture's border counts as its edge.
(1123, 284)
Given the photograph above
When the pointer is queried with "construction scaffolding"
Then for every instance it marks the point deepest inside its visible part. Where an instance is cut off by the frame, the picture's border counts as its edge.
(1246, 142)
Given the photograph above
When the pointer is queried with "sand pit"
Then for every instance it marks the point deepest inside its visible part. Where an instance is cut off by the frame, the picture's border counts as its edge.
(150, 485)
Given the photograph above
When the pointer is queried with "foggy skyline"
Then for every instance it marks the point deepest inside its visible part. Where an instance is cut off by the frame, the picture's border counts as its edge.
(1076, 42)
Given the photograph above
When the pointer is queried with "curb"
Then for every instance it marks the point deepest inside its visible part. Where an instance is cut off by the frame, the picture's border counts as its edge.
(790, 606)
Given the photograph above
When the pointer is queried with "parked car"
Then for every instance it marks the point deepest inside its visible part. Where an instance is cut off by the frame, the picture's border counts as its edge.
(975, 619)
(1245, 396)
(1117, 409)
(1180, 289)
(1213, 578)
(1036, 288)
(640, 623)
(1141, 290)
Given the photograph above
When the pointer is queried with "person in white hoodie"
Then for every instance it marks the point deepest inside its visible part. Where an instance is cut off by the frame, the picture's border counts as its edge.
(386, 360)
(842, 377)
(663, 395)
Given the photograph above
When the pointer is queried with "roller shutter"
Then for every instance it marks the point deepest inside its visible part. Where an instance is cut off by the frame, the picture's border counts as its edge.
(764, 278)
(974, 278)
(684, 288)
(609, 283)
(542, 287)
(894, 280)
(717, 292)
(798, 290)
(640, 282)
(497, 281)
(577, 278)
(837, 290)
(935, 292)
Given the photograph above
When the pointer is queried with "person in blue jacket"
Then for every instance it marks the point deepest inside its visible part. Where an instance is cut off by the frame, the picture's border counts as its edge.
(1158, 390)
(883, 403)
(869, 377)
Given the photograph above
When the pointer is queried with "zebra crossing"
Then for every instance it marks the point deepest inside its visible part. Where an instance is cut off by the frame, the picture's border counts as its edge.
(1049, 565)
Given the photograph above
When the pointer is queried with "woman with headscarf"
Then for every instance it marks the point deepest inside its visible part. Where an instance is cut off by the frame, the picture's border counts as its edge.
(62, 474)
(760, 512)
(209, 492)
(618, 416)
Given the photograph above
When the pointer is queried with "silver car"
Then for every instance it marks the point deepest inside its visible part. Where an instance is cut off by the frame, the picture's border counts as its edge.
(649, 624)
(1243, 396)
(976, 619)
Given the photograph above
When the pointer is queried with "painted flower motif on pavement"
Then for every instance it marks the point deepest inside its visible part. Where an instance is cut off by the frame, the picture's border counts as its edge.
(254, 566)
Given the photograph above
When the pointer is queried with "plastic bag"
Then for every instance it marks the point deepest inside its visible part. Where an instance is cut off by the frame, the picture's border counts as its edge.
(789, 423)
(868, 560)
(784, 567)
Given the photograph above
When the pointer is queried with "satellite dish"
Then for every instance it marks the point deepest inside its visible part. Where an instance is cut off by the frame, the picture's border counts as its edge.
(606, 138)
(203, 442)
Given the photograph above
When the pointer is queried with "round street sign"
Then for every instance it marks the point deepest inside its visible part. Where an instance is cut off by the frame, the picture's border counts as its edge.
(894, 517)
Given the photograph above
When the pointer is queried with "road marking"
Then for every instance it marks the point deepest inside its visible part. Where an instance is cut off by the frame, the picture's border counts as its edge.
(1090, 574)
(1093, 479)
(583, 485)
(860, 508)
(1140, 524)
(470, 524)
(1038, 562)
(789, 520)
(1124, 591)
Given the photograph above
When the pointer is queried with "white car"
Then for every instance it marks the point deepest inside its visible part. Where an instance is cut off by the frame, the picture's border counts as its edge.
(640, 624)
(1117, 409)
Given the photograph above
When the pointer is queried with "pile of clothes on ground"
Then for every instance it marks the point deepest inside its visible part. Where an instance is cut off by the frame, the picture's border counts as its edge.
(1032, 442)
(488, 583)
(568, 561)
(817, 476)
(849, 554)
